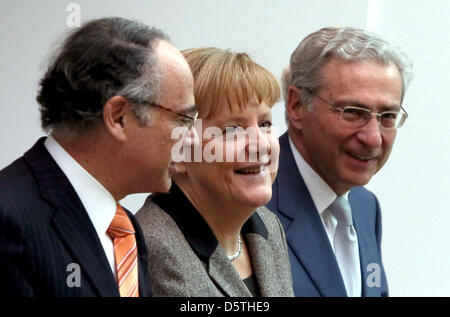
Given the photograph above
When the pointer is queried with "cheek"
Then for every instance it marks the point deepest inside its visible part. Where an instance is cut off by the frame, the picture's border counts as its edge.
(388, 143)
(234, 150)
(274, 146)
(274, 157)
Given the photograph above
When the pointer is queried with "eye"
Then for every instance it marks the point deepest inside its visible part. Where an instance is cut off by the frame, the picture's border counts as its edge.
(231, 131)
(265, 126)
(185, 121)
(389, 115)
(354, 113)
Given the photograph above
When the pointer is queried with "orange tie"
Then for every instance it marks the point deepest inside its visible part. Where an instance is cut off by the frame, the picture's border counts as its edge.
(125, 251)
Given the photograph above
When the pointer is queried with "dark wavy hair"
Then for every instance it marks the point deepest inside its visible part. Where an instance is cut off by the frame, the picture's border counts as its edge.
(104, 58)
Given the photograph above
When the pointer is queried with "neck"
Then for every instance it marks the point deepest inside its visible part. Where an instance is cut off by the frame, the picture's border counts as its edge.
(224, 218)
(92, 151)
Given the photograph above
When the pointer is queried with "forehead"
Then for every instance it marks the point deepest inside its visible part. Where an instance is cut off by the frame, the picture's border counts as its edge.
(231, 106)
(239, 114)
(177, 83)
(366, 79)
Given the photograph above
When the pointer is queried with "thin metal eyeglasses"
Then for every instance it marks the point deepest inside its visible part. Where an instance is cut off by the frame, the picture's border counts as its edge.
(358, 116)
(188, 121)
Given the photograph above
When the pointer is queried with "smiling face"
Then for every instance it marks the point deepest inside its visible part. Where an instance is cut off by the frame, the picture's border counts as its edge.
(239, 176)
(342, 155)
(150, 145)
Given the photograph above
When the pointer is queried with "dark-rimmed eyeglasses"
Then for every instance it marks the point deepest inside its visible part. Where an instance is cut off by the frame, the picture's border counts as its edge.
(187, 121)
(358, 116)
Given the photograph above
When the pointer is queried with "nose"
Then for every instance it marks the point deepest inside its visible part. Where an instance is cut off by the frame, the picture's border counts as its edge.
(257, 145)
(370, 133)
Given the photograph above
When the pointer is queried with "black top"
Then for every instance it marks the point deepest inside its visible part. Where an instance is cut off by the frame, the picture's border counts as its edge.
(196, 230)
(252, 285)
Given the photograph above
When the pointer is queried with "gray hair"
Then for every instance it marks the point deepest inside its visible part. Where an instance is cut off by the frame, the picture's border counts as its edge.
(350, 44)
(102, 59)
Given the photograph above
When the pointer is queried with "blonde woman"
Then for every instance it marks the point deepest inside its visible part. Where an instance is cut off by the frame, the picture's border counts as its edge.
(210, 236)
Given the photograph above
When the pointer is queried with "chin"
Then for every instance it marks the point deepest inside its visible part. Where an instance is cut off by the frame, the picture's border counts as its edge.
(256, 199)
(164, 185)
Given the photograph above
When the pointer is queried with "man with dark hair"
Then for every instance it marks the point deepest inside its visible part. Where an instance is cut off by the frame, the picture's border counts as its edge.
(109, 100)
(343, 91)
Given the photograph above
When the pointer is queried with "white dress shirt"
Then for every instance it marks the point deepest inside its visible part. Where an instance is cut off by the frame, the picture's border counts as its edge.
(323, 196)
(321, 193)
(98, 202)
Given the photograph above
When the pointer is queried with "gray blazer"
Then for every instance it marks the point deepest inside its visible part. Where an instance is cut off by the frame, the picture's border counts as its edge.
(185, 258)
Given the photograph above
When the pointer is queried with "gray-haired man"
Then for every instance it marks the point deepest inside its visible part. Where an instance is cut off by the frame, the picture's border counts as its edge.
(110, 100)
(343, 91)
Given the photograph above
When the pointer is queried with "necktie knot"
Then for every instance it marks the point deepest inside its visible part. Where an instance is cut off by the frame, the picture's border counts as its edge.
(121, 225)
(342, 211)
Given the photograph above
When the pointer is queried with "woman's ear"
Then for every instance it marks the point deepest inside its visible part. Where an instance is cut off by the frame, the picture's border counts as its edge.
(181, 167)
(116, 117)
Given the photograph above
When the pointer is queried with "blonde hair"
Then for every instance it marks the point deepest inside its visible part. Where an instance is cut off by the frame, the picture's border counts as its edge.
(223, 76)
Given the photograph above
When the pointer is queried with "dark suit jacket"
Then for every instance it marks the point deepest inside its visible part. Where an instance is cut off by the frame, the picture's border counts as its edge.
(314, 267)
(44, 228)
(187, 260)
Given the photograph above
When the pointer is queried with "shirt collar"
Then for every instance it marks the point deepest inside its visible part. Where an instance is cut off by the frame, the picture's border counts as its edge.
(195, 229)
(96, 199)
(322, 194)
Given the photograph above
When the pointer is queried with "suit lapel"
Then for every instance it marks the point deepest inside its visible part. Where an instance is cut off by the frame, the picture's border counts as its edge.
(225, 276)
(263, 267)
(305, 234)
(71, 221)
(367, 245)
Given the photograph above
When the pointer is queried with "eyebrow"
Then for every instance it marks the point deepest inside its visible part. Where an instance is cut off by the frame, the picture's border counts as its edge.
(357, 104)
(242, 119)
(390, 108)
(190, 110)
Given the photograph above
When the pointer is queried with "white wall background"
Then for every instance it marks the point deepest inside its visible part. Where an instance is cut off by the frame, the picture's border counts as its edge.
(414, 184)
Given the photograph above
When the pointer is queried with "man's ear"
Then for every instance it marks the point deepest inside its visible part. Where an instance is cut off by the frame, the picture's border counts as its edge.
(181, 167)
(294, 107)
(116, 117)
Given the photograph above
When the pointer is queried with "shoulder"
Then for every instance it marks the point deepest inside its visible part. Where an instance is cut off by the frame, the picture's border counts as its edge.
(156, 223)
(363, 199)
(15, 179)
(19, 194)
(366, 207)
(273, 225)
(268, 217)
(361, 192)
(174, 268)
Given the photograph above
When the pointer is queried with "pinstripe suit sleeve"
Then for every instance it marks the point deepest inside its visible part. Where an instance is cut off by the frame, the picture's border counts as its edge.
(14, 259)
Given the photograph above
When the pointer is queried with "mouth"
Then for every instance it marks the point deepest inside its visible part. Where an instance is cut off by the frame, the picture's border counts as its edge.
(250, 170)
(361, 157)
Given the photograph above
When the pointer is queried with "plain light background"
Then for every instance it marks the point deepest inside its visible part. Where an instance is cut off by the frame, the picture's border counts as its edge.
(413, 187)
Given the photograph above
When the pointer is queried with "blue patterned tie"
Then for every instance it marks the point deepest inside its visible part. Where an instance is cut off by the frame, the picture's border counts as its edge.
(346, 246)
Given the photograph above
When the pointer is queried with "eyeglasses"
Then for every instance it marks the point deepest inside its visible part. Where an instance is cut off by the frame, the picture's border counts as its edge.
(357, 116)
(187, 121)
